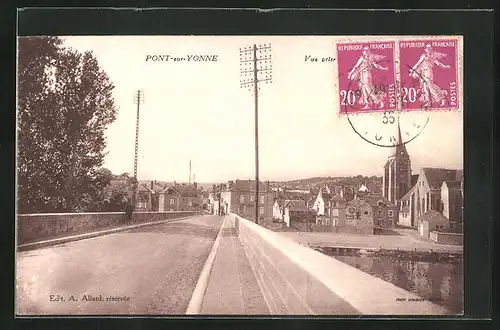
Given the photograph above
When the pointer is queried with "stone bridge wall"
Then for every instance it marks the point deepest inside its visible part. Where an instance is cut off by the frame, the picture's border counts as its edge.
(34, 227)
(296, 279)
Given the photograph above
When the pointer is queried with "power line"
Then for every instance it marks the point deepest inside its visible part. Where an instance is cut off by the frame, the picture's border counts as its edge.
(255, 68)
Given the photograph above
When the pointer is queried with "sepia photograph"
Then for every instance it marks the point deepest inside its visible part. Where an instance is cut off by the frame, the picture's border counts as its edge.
(239, 175)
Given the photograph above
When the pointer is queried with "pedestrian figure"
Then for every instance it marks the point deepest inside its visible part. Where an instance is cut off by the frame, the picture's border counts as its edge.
(129, 209)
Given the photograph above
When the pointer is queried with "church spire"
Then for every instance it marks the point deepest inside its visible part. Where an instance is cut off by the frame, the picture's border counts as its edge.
(399, 148)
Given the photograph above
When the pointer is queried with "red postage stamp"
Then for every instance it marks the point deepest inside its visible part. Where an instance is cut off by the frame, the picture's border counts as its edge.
(429, 74)
(366, 76)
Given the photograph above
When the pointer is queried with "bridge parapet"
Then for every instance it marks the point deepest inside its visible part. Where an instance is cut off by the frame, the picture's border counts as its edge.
(33, 227)
(296, 279)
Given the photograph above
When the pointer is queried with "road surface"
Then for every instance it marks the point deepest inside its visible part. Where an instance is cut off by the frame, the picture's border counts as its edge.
(149, 270)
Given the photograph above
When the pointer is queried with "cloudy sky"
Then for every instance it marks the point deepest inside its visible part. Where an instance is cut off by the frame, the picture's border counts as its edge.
(197, 111)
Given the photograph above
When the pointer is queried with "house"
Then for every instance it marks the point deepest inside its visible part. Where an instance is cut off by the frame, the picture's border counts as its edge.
(432, 220)
(285, 195)
(148, 196)
(277, 210)
(211, 202)
(405, 218)
(295, 211)
(143, 199)
(366, 214)
(428, 193)
(451, 201)
(330, 206)
(239, 198)
(180, 197)
(322, 205)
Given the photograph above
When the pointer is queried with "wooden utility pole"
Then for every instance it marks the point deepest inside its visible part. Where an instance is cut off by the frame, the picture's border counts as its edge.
(256, 101)
(138, 99)
(248, 55)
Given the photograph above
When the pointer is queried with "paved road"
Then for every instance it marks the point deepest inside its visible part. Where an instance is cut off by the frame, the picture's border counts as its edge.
(150, 270)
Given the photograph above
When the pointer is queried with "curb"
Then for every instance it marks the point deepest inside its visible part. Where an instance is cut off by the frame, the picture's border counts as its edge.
(62, 240)
(196, 301)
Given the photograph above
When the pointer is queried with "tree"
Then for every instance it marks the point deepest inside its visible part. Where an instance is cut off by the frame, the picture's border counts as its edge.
(64, 107)
(117, 194)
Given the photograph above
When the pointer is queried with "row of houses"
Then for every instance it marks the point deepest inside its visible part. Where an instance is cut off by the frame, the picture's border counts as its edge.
(361, 212)
(170, 198)
(429, 201)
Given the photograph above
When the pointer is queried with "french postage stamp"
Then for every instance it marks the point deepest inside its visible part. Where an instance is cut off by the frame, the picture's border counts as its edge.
(429, 74)
(366, 76)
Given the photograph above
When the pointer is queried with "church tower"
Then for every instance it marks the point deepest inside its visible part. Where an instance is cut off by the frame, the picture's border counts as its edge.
(397, 172)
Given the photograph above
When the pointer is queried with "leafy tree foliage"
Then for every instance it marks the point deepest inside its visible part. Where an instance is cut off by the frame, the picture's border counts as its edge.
(116, 194)
(64, 105)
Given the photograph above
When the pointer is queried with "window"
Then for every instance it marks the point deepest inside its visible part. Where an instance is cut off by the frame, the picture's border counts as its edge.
(242, 199)
(391, 213)
(327, 222)
(190, 203)
(252, 198)
(172, 201)
(366, 212)
(379, 213)
(358, 215)
(262, 198)
(261, 210)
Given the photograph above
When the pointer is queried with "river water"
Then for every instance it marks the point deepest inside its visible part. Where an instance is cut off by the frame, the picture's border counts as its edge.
(439, 282)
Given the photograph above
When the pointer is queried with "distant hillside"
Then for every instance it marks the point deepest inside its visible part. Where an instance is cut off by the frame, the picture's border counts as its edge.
(373, 183)
(170, 183)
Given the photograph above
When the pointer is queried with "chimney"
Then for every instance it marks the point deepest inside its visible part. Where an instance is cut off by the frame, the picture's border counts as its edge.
(151, 185)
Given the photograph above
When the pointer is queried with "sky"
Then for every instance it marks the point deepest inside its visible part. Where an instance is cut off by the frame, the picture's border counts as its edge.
(197, 111)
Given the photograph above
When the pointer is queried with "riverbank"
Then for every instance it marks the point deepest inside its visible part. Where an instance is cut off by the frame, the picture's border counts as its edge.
(370, 242)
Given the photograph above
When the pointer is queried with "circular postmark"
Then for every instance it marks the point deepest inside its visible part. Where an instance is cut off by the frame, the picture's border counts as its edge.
(383, 125)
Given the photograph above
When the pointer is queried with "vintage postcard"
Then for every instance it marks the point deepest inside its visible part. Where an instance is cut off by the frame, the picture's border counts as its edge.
(239, 175)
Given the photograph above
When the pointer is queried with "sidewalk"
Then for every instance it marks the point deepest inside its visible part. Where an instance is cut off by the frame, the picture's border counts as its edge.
(387, 242)
(232, 287)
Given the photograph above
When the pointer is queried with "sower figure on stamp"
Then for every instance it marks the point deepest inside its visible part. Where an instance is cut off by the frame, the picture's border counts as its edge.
(362, 72)
(422, 70)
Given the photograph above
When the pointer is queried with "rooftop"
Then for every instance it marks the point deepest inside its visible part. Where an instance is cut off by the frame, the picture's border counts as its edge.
(436, 176)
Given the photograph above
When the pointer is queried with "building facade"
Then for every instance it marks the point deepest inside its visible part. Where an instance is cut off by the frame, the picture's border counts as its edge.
(366, 214)
(180, 198)
(239, 198)
(451, 200)
(436, 189)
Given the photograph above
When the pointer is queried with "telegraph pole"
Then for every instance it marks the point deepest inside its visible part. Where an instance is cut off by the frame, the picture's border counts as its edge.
(254, 60)
(138, 99)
